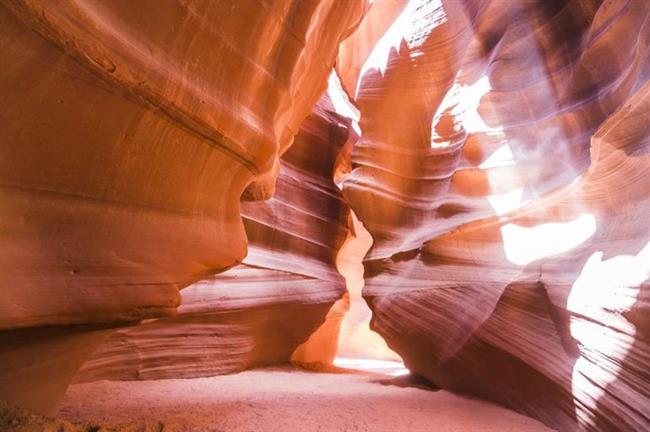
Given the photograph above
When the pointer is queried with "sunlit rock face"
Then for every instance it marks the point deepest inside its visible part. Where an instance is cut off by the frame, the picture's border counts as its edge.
(260, 311)
(503, 173)
(128, 138)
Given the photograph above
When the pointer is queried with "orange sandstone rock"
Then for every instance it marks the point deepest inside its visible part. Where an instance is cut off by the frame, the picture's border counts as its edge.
(130, 131)
(259, 311)
(503, 175)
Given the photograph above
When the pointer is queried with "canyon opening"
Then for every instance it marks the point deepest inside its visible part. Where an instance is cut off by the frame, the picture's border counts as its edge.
(324, 215)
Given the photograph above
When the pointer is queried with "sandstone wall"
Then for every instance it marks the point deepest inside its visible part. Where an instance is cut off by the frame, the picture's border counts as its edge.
(131, 130)
(503, 174)
(261, 310)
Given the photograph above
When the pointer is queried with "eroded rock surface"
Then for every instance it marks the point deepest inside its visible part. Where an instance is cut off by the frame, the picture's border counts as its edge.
(260, 311)
(129, 138)
(503, 173)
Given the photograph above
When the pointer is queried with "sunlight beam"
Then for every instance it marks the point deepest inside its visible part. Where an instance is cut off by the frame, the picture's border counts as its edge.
(523, 245)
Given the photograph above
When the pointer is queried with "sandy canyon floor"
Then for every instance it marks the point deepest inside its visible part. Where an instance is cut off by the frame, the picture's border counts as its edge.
(285, 399)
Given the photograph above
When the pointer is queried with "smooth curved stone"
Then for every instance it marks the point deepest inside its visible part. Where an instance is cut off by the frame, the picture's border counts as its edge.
(503, 173)
(129, 138)
(259, 312)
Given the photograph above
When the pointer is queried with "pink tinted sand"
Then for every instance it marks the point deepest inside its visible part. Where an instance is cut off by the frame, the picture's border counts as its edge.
(284, 399)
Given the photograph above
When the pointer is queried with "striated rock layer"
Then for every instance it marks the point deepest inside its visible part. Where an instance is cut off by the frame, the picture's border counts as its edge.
(504, 175)
(260, 311)
(129, 137)
(503, 172)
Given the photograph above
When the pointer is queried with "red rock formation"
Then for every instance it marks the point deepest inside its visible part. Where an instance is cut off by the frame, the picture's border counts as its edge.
(507, 262)
(260, 311)
(354, 50)
(503, 172)
(129, 138)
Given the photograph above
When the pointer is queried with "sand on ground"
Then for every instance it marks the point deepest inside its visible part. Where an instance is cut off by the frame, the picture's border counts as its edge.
(287, 399)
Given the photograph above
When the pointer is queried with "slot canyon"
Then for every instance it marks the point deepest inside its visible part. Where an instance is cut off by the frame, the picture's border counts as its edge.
(325, 215)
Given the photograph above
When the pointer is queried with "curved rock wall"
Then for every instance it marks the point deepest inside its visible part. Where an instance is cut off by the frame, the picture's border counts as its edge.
(129, 138)
(260, 311)
(503, 174)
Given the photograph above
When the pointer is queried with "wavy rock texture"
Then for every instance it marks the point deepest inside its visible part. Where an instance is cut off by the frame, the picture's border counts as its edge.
(129, 138)
(260, 311)
(503, 173)
(355, 50)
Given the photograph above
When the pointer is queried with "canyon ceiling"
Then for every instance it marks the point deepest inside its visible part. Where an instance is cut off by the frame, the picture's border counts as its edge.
(177, 180)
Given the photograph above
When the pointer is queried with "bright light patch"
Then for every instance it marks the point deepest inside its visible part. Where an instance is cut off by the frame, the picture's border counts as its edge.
(523, 245)
(462, 103)
(428, 14)
(398, 31)
(502, 157)
(341, 102)
(385, 367)
(358, 346)
(468, 103)
(402, 29)
(599, 297)
(611, 284)
(507, 202)
(503, 203)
